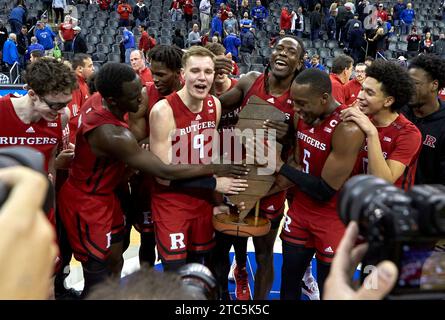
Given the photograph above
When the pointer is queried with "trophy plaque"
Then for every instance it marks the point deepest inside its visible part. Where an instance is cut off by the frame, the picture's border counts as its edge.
(244, 223)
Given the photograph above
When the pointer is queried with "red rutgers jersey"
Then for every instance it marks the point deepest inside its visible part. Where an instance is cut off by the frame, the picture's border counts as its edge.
(89, 173)
(80, 95)
(229, 119)
(272, 206)
(314, 145)
(191, 143)
(154, 96)
(43, 135)
(400, 141)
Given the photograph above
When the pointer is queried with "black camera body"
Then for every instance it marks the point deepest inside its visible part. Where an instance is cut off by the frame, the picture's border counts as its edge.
(404, 227)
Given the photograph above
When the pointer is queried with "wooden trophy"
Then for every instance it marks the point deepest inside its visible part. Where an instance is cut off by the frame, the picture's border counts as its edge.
(244, 224)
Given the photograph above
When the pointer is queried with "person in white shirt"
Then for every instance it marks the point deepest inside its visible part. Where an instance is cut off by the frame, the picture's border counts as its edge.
(204, 14)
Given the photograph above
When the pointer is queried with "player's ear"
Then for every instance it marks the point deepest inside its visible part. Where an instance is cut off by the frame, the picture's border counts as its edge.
(325, 98)
(182, 73)
(32, 94)
(389, 100)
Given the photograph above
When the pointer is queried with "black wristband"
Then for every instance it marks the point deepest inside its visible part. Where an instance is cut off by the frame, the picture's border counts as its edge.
(313, 186)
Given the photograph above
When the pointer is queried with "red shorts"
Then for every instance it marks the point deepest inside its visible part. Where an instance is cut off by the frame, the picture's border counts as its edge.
(176, 237)
(92, 222)
(272, 207)
(322, 232)
(140, 216)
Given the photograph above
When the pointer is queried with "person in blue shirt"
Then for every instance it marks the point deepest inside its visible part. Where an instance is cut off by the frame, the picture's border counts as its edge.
(129, 43)
(245, 23)
(231, 43)
(307, 61)
(10, 52)
(17, 18)
(315, 63)
(217, 25)
(34, 46)
(407, 18)
(397, 11)
(45, 36)
(258, 14)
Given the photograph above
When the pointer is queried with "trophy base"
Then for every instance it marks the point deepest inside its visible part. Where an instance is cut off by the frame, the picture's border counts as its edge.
(250, 227)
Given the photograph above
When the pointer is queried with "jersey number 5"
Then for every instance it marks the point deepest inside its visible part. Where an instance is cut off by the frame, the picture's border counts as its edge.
(306, 157)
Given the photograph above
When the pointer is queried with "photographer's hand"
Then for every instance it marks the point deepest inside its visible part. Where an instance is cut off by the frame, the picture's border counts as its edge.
(338, 285)
(27, 240)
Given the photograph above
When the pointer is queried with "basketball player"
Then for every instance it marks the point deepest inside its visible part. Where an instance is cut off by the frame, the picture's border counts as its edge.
(392, 142)
(325, 162)
(427, 112)
(221, 262)
(89, 208)
(83, 68)
(183, 216)
(273, 86)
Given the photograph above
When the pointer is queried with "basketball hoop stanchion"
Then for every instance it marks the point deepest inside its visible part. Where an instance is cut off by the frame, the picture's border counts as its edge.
(248, 222)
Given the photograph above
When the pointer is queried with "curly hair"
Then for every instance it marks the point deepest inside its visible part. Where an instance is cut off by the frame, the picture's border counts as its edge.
(171, 56)
(111, 77)
(431, 64)
(49, 76)
(395, 81)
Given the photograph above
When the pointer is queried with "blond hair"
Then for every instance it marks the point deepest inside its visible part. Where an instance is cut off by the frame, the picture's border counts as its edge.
(196, 51)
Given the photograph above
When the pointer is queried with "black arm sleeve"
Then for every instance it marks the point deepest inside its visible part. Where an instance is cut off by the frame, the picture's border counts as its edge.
(315, 187)
(202, 183)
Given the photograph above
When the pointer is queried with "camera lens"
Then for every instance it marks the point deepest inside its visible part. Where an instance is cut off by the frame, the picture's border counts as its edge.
(198, 278)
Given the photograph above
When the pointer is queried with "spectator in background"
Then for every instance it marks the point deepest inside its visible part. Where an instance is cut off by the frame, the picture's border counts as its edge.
(315, 21)
(231, 43)
(3, 35)
(176, 10)
(286, 19)
(146, 42)
(45, 36)
(413, 43)
(357, 42)
(17, 18)
(124, 10)
(439, 46)
(331, 25)
(247, 47)
(10, 52)
(79, 43)
(245, 23)
(66, 33)
(216, 38)
(23, 41)
(259, 14)
(340, 73)
(205, 38)
(342, 20)
(407, 18)
(381, 12)
(194, 37)
(396, 12)
(188, 10)
(427, 44)
(350, 25)
(104, 4)
(368, 61)
(35, 55)
(353, 87)
(217, 25)
(244, 7)
(178, 39)
(47, 6)
(128, 42)
(224, 9)
(230, 24)
(140, 13)
(315, 63)
(35, 47)
(297, 26)
(137, 61)
(59, 7)
(204, 13)
(274, 39)
(306, 60)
